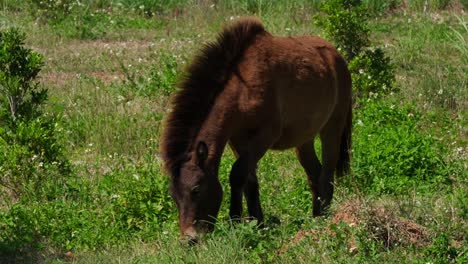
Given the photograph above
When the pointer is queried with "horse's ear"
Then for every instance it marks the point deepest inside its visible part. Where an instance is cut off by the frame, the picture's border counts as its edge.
(202, 152)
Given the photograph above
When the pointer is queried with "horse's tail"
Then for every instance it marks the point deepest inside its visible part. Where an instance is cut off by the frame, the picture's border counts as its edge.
(343, 166)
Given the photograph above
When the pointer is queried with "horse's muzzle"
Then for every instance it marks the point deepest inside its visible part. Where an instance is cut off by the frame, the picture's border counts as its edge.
(189, 236)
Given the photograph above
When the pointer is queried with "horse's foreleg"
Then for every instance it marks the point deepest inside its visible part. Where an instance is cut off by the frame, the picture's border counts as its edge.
(237, 180)
(250, 151)
(309, 161)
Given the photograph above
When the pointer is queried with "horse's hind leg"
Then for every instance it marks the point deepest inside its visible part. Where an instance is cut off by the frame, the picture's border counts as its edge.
(330, 136)
(309, 161)
(252, 195)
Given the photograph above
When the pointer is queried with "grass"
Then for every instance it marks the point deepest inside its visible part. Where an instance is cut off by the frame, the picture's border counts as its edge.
(111, 82)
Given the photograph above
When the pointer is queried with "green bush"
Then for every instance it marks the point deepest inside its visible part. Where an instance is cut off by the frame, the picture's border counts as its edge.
(345, 22)
(31, 156)
(152, 7)
(393, 154)
(84, 24)
(381, 6)
(19, 66)
(29, 143)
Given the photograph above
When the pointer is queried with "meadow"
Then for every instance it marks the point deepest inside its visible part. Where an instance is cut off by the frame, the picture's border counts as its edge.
(110, 67)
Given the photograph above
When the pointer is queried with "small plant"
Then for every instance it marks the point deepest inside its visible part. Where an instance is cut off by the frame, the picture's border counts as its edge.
(152, 7)
(441, 251)
(160, 80)
(52, 10)
(84, 24)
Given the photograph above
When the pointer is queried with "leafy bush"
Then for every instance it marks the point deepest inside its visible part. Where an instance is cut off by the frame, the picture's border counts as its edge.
(382, 6)
(29, 143)
(84, 24)
(392, 153)
(139, 201)
(19, 66)
(31, 157)
(345, 22)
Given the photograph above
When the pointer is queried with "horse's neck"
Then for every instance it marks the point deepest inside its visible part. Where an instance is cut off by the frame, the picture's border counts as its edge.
(216, 130)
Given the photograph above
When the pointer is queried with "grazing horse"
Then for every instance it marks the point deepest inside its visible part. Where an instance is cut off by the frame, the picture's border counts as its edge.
(255, 91)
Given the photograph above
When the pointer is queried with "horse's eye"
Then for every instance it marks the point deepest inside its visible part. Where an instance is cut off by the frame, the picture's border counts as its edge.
(195, 191)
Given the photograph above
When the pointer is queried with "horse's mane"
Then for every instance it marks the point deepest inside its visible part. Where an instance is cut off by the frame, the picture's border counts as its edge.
(204, 80)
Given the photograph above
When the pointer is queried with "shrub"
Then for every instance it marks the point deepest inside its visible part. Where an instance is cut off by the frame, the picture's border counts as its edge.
(29, 145)
(19, 66)
(152, 7)
(345, 23)
(138, 199)
(31, 157)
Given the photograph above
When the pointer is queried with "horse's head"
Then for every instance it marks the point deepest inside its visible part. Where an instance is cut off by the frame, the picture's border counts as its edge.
(197, 193)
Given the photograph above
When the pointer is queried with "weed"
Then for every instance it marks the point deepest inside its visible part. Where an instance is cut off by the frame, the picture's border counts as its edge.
(372, 74)
(160, 80)
(391, 154)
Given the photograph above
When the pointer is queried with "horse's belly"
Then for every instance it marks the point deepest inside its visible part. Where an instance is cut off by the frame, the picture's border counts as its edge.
(293, 136)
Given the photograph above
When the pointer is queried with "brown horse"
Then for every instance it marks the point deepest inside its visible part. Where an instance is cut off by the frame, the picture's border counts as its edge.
(256, 92)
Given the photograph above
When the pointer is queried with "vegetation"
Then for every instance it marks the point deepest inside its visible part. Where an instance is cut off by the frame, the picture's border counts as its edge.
(84, 91)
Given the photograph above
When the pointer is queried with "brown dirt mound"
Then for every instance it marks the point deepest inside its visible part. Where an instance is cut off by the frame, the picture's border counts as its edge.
(381, 223)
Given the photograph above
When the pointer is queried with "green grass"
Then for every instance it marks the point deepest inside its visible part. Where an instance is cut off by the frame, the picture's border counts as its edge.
(110, 75)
